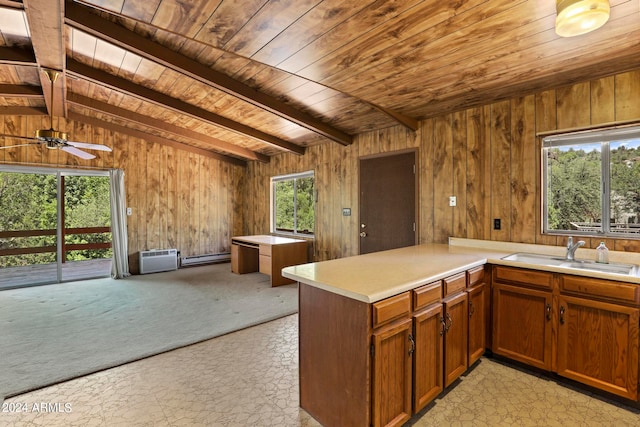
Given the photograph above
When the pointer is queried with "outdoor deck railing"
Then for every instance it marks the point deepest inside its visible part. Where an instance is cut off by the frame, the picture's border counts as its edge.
(66, 247)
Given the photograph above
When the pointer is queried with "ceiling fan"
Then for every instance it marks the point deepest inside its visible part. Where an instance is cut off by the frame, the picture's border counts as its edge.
(54, 139)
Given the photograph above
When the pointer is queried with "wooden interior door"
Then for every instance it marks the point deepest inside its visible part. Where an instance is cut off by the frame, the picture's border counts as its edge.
(387, 202)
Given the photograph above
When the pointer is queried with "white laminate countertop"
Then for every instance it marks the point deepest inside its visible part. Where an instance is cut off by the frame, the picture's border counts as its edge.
(379, 275)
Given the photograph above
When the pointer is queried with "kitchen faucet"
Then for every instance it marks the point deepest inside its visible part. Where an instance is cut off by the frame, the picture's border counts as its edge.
(571, 248)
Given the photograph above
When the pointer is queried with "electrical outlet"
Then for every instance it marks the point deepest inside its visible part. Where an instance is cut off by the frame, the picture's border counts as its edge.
(129, 211)
(496, 224)
(452, 200)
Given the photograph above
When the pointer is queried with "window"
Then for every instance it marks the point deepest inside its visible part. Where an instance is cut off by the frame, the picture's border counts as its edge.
(591, 183)
(293, 204)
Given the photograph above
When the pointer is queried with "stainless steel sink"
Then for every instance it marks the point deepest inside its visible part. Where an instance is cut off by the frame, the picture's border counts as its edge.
(549, 260)
(536, 259)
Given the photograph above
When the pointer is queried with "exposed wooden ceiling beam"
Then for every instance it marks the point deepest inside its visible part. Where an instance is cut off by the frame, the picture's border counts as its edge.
(406, 121)
(82, 18)
(46, 21)
(128, 115)
(22, 91)
(125, 86)
(23, 111)
(153, 138)
(12, 4)
(15, 56)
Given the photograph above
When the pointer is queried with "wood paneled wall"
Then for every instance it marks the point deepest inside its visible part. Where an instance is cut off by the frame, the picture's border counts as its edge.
(488, 157)
(179, 199)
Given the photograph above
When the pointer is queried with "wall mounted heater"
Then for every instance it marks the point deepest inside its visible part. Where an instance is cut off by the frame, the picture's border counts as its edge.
(205, 259)
(157, 260)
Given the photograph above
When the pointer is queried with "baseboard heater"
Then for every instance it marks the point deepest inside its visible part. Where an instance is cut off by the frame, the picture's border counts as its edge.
(205, 259)
(157, 260)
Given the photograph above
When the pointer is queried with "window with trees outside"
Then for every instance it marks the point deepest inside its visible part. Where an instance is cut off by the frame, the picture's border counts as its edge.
(591, 183)
(293, 204)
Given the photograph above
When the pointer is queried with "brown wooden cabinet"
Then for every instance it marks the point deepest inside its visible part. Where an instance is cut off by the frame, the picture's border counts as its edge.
(598, 340)
(455, 337)
(582, 328)
(477, 322)
(478, 314)
(392, 374)
(428, 358)
(361, 363)
(522, 324)
(522, 310)
(393, 346)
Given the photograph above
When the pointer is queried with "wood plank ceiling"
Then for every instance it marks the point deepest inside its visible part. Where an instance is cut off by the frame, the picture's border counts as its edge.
(248, 79)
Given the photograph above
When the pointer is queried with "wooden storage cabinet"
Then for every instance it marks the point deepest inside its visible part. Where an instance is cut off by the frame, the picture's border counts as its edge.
(592, 326)
(393, 348)
(378, 364)
(522, 324)
(598, 341)
(392, 374)
(455, 337)
(478, 314)
(428, 358)
(522, 314)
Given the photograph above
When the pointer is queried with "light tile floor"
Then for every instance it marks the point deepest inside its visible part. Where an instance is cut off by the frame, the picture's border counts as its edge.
(250, 378)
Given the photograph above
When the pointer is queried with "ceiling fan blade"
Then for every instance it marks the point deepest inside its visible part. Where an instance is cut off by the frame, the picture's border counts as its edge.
(89, 146)
(15, 146)
(76, 152)
(29, 138)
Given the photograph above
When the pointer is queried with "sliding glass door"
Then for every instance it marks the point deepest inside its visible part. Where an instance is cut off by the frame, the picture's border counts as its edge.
(86, 234)
(28, 223)
(54, 226)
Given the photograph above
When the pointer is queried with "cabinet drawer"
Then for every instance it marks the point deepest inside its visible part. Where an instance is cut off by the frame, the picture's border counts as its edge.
(475, 276)
(390, 309)
(265, 264)
(265, 250)
(426, 295)
(524, 276)
(454, 284)
(600, 289)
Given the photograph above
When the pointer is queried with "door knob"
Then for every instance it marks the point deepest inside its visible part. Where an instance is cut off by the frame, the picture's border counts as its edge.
(363, 234)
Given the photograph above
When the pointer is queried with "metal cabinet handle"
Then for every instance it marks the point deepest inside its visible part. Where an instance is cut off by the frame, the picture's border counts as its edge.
(412, 349)
(444, 325)
(562, 315)
(548, 310)
(450, 322)
(472, 309)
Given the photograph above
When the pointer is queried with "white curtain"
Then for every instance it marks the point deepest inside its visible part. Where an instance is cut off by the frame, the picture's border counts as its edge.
(120, 264)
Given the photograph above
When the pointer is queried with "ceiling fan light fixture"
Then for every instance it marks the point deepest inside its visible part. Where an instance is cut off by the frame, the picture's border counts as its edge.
(576, 17)
(50, 135)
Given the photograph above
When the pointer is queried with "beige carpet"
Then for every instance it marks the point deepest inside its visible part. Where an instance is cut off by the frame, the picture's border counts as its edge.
(56, 332)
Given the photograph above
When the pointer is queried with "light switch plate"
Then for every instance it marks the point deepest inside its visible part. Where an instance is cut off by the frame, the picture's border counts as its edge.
(346, 211)
(452, 200)
(129, 211)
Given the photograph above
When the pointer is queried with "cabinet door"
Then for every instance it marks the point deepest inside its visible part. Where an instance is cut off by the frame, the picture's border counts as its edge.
(598, 345)
(392, 374)
(477, 322)
(522, 325)
(455, 337)
(427, 360)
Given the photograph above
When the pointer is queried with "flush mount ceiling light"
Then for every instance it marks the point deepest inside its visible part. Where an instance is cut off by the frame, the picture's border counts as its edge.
(577, 17)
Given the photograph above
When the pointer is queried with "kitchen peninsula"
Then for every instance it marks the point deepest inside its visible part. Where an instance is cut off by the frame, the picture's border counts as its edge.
(382, 334)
